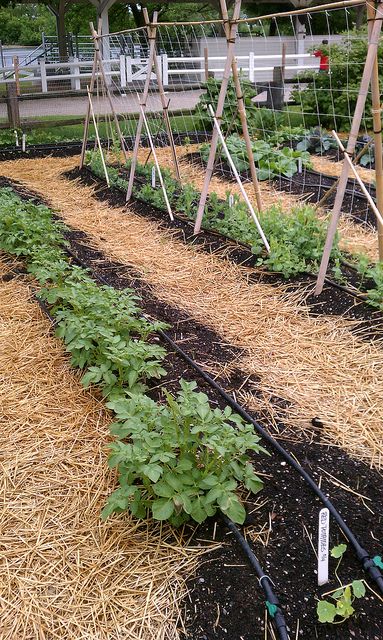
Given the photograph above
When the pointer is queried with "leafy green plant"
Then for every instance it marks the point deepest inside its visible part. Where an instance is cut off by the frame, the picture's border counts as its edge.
(343, 597)
(270, 161)
(317, 141)
(331, 98)
(177, 460)
(182, 459)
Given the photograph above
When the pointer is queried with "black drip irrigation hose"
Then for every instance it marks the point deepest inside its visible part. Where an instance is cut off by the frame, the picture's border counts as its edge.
(363, 556)
(272, 602)
(367, 562)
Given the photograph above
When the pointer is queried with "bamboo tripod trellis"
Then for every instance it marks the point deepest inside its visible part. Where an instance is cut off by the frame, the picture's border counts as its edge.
(230, 27)
(98, 67)
(370, 75)
(152, 62)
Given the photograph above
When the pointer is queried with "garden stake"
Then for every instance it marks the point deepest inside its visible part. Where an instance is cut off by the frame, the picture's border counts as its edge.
(91, 87)
(361, 101)
(144, 120)
(359, 180)
(151, 28)
(377, 124)
(98, 137)
(238, 179)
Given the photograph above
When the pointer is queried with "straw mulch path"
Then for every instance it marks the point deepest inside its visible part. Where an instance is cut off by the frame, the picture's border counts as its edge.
(316, 365)
(64, 573)
(331, 168)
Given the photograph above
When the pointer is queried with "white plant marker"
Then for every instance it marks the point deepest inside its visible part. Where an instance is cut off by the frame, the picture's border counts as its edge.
(231, 200)
(299, 165)
(23, 142)
(153, 177)
(238, 179)
(16, 138)
(155, 159)
(323, 544)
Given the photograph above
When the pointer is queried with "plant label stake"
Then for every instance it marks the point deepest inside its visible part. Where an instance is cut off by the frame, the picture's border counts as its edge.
(155, 159)
(231, 200)
(23, 142)
(299, 165)
(323, 544)
(238, 179)
(16, 138)
(153, 177)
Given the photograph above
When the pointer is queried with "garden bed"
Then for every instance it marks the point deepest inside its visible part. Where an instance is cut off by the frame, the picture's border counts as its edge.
(282, 520)
(332, 301)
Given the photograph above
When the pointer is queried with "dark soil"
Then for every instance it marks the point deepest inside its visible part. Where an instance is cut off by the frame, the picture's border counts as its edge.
(225, 598)
(332, 300)
(66, 149)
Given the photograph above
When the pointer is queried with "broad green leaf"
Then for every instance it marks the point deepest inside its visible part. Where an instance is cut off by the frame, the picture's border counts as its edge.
(358, 588)
(162, 509)
(326, 611)
(337, 552)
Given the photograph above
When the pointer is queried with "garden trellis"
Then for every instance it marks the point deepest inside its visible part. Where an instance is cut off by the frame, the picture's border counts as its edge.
(244, 68)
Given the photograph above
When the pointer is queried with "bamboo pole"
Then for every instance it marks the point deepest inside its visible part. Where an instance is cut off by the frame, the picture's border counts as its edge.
(239, 182)
(334, 186)
(108, 94)
(218, 115)
(164, 102)
(242, 112)
(88, 114)
(359, 180)
(98, 137)
(156, 160)
(142, 106)
(361, 101)
(377, 126)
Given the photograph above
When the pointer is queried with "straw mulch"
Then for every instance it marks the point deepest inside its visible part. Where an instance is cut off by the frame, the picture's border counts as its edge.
(316, 365)
(64, 573)
(331, 168)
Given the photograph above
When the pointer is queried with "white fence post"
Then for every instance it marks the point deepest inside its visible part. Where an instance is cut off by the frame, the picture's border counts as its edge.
(159, 63)
(165, 69)
(128, 69)
(251, 66)
(122, 72)
(75, 72)
(43, 74)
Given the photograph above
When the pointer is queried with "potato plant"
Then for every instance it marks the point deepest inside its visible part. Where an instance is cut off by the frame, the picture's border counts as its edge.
(178, 459)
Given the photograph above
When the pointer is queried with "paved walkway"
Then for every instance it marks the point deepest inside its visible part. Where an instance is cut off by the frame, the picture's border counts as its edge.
(73, 106)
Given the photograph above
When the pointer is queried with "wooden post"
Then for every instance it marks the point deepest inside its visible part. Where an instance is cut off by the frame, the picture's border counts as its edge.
(98, 137)
(152, 60)
(206, 63)
(88, 109)
(17, 73)
(156, 160)
(164, 102)
(13, 106)
(96, 38)
(359, 180)
(242, 110)
(377, 125)
(359, 108)
(238, 179)
(218, 115)
(334, 186)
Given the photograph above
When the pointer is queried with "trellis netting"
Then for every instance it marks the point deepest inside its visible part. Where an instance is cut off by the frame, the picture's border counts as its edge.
(300, 75)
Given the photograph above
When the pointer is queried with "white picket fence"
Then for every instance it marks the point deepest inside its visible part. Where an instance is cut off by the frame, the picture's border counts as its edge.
(125, 71)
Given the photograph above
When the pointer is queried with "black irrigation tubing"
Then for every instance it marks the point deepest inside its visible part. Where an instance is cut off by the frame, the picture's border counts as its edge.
(363, 556)
(272, 602)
